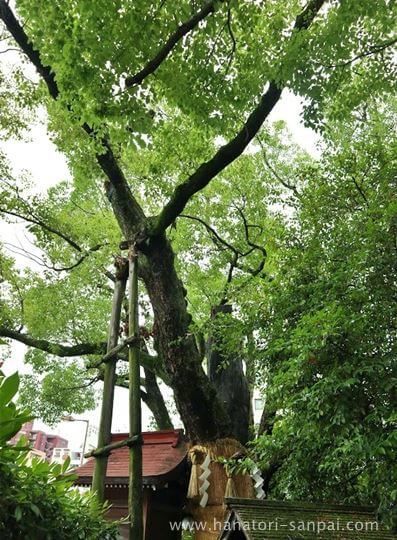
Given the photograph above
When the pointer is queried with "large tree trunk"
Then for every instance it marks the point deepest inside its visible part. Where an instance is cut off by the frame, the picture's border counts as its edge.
(202, 413)
(229, 379)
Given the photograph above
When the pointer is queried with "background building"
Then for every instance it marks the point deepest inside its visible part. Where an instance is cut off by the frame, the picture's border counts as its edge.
(60, 454)
(43, 443)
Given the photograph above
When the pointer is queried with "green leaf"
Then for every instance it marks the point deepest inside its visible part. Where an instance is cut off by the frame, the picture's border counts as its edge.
(35, 509)
(18, 513)
(9, 388)
(65, 465)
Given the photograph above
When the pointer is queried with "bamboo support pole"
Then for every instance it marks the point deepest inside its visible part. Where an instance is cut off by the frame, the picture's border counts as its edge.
(106, 450)
(109, 379)
(135, 470)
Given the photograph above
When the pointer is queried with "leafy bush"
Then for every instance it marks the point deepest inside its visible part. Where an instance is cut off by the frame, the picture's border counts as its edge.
(37, 499)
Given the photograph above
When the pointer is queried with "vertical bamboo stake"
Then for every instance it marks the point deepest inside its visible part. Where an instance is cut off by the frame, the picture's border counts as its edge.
(109, 379)
(135, 473)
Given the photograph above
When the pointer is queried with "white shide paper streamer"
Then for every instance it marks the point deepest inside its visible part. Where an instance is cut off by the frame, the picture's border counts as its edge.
(204, 479)
(258, 482)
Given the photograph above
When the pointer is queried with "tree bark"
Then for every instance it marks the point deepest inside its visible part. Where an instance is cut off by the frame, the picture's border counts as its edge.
(267, 421)
(227, 375)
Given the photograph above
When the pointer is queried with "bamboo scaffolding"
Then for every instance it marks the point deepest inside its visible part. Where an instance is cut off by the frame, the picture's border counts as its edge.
(115, 351)
(109, 379)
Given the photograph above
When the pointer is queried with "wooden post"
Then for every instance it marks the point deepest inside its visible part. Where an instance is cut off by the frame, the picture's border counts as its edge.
(135, 494)
(109, 379)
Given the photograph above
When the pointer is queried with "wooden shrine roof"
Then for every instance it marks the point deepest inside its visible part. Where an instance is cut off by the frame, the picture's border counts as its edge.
(163, 454)
(279, 520)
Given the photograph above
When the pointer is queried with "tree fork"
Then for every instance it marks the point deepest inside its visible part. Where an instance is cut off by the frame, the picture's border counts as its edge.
(109, 380)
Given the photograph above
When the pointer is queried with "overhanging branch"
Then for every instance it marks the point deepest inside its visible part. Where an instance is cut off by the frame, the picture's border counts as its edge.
(223, 157)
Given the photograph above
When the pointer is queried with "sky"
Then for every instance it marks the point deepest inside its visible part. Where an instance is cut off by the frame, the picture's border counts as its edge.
(38, 156)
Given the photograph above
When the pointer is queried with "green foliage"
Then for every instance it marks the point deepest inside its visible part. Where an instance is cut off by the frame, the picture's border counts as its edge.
(328, 368)
(60, 390)
(345, 59)
(17, 109)
(38, 500)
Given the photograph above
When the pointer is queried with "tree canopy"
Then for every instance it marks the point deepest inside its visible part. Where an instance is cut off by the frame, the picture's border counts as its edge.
(327, 324)
(160, 110)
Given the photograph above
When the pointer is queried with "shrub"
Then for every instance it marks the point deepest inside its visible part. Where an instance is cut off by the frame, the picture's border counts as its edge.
(37, 499)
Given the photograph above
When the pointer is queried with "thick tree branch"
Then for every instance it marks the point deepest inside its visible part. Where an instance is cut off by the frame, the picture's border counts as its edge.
(149, 362)
(306, 17)
(225, 155)
(171, 42)
(234, 148)
(50, 347)
(25, 45)
(155, 401)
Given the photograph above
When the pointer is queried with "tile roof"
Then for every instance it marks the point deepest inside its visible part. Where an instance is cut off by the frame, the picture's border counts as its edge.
(275, 520)
(163, 453)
